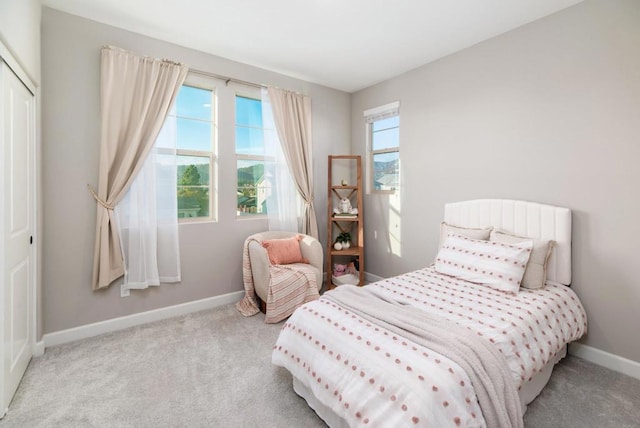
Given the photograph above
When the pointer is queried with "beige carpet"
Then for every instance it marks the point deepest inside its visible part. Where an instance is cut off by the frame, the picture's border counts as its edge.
(213, 369)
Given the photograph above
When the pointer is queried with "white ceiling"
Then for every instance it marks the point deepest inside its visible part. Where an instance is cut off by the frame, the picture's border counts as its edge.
(343, 44)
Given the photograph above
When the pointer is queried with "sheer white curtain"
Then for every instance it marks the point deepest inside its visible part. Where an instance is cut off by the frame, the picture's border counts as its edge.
(283, 201)
(147, 217)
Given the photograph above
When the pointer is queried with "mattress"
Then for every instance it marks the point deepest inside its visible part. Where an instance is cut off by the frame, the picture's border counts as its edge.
(359, 374)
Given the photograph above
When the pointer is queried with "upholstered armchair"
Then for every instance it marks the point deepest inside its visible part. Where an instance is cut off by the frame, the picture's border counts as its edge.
(261, 268)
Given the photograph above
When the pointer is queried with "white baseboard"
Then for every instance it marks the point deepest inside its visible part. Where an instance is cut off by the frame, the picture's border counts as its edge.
(606, 359)
(38, 349)
(369, 277)
(115, 324)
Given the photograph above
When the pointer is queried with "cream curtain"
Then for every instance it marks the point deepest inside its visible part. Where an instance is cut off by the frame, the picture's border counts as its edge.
(136, 95)
(292, 117)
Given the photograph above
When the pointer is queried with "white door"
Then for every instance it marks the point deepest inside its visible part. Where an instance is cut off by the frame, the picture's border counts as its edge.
(17, 115)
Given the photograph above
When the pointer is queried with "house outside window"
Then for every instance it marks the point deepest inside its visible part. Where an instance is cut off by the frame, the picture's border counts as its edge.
(253, 178)
(195, 113)
(383, 148)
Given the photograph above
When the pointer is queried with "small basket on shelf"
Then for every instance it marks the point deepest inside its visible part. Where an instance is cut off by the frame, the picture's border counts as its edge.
(345, 273)
(353, 279)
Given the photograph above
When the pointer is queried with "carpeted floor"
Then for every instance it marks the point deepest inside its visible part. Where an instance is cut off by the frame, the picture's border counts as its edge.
(213, 369)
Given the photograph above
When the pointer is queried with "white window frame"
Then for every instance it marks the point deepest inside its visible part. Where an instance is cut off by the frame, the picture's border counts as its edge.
(255, 95)
(372, 115)
(207, 84)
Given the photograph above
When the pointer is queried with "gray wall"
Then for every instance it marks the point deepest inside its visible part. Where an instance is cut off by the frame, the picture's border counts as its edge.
(211, 253)
(549, 112)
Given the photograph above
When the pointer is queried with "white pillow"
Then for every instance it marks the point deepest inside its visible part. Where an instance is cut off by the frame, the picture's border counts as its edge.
(446, 229)
(535, 275)
(498, 265)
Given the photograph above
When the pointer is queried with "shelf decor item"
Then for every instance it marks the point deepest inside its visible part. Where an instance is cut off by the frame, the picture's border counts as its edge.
(345, 241)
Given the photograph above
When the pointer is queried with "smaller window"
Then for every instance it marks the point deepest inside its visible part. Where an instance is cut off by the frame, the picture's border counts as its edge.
(383, 146)
(253, 185)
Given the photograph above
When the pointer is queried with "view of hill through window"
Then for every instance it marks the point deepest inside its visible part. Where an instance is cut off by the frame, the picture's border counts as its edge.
(385, 148)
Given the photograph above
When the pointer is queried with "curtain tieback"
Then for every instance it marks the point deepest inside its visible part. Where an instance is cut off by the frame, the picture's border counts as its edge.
(98, 200)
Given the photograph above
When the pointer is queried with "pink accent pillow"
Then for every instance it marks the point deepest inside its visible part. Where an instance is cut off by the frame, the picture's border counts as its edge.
(284, 251)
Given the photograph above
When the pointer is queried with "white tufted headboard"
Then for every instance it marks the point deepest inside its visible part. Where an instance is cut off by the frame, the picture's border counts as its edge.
(521, 218)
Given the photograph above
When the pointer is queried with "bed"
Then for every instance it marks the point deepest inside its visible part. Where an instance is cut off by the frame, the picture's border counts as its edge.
(428, 348)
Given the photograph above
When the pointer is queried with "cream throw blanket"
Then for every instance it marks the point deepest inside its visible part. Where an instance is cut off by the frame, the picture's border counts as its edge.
(290, 287)
(483, 363)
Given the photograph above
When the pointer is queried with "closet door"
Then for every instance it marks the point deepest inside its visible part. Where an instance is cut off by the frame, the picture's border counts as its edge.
(17, 129)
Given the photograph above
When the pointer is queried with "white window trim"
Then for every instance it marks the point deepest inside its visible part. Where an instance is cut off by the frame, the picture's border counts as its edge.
(371, 115)
(387, 110)
(207, 84)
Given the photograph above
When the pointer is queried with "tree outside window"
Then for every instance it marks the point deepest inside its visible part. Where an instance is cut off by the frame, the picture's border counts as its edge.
(195, 121)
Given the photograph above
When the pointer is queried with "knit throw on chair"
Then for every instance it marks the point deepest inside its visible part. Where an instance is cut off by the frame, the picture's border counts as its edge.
(290, 287)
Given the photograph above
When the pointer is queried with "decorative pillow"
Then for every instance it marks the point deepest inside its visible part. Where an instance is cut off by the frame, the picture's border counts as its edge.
(445, 229)
(495, 264)
(535, 275)
(284, 251)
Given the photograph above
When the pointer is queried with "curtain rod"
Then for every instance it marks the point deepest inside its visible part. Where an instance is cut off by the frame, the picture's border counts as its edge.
(226, 78)
(194, 71)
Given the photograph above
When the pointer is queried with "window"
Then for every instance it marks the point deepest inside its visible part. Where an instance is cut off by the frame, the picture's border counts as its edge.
(253, 185)
(196, 131)
(383, 145)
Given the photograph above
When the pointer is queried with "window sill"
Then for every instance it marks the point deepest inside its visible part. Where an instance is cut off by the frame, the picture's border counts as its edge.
(182, 222)
(251, 217)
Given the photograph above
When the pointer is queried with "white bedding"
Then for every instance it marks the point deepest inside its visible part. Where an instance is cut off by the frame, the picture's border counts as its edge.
(370, 377)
